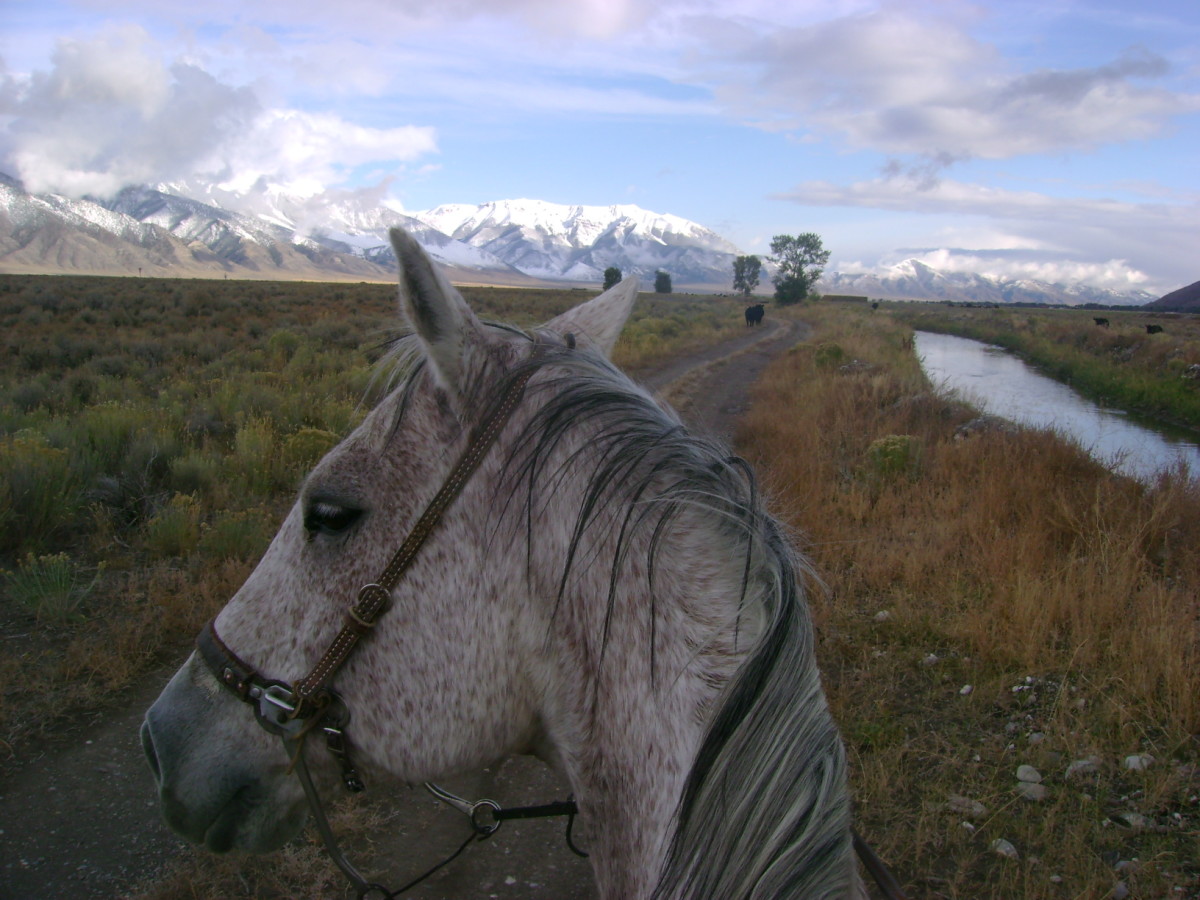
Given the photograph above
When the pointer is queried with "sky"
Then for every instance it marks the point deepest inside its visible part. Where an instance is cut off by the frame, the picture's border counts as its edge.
(1054, 139)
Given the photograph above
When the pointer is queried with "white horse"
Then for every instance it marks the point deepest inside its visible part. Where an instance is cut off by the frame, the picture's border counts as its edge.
(604, 590)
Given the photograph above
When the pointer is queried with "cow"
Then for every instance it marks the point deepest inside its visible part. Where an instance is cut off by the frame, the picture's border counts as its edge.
(1153, 329)
(754, 314)
(1103, 322)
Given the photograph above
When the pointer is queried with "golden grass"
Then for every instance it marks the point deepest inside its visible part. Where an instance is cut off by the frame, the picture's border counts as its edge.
(1063, 595)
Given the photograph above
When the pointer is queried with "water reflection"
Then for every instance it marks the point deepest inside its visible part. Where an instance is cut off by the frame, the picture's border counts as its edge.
(999, 383)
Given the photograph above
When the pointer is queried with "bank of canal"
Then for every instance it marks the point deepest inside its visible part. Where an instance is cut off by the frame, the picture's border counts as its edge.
(999, 383)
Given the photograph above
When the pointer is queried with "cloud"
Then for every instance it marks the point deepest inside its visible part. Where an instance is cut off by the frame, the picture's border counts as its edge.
(900, 84)
(1105, 242)
(1113, 274)
(110, 113)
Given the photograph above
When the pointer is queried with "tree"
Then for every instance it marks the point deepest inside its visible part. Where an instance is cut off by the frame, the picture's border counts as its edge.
(745, 274)
(800, 260)
(662, 282)
(612, 276)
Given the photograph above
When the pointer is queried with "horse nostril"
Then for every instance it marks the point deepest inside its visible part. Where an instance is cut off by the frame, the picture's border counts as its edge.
(148, 749)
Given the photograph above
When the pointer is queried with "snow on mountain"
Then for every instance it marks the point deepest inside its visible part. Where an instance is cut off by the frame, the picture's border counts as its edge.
(577, 243)
(189, 229)
(914, 280)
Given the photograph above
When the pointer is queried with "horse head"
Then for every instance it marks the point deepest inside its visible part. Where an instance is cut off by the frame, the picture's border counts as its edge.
(594, 585)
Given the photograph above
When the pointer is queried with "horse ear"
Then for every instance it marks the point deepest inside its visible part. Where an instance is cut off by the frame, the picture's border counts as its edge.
(436, 311)
(601, 318)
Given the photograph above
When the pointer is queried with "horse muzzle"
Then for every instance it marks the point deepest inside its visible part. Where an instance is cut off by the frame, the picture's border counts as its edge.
(220, 782)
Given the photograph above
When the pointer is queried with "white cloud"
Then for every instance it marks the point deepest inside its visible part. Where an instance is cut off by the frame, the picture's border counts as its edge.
(308, 152)
(1099, 241)
(110, 113)
(895, 82)
(1114, 274)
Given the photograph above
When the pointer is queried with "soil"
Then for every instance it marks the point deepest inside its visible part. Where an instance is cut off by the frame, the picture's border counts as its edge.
(79, 817)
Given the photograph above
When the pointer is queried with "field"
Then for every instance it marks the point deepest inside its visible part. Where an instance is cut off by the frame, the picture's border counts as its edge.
(990, 603)
(982, 604)
(152, 435)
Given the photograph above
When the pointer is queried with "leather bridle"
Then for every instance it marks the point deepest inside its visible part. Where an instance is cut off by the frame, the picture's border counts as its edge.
(293, 711)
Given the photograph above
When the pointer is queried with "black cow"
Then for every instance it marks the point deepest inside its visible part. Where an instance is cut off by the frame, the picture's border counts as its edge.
(1153, 329)
(754, 314)
(1103, 322)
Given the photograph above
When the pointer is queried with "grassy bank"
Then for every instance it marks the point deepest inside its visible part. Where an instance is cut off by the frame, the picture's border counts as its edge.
(152, 435)
(1120, 365)
(991, 602)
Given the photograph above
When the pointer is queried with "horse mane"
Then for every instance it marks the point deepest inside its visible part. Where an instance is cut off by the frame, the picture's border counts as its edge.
(764, 811)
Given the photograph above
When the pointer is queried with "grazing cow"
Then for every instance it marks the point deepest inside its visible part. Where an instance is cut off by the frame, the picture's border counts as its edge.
(1103, 322)
(1153, 329)
(754, 314)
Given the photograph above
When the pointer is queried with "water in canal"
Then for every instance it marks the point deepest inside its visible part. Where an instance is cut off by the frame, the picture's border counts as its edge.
(996, 382)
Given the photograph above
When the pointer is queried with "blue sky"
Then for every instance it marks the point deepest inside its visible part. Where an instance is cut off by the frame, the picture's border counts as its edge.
(1054, 139)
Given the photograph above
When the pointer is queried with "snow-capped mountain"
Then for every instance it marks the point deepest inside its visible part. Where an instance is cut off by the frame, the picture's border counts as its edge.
(914, 280)
(201, 230)
(577, 243)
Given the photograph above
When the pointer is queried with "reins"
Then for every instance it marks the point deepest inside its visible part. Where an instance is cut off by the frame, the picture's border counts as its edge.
(293, 712)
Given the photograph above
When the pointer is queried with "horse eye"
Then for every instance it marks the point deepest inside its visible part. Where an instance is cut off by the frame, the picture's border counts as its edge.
(324, 517)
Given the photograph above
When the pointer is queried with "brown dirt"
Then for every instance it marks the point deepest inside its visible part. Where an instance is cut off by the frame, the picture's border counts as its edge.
(78, 815)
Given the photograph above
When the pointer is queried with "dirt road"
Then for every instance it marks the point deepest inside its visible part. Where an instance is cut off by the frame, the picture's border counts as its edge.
(79, 818)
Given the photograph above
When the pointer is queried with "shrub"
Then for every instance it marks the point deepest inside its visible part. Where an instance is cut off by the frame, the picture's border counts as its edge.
(829, 355)
(304, 448)
(175, 529)
(893, 456)
(39, 491)
(51, 587)
(238, 535)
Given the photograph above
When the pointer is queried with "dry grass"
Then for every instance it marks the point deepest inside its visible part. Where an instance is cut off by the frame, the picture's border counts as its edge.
(1063, 595)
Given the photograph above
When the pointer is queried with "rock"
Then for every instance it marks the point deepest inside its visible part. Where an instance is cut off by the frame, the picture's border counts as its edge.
(930, 660)
(1031, 791)
(856, 367)
(984, 425)
(1133, 820)
(1001, 847)
(966, 689)
(1083, 766)
(1139, 762)
(1030, 774)
(883, 616)
(1036, 738)
(1120, 891)
(965, 806)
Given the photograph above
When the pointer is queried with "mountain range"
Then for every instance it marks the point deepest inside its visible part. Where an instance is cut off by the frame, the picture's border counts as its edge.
(184, 230)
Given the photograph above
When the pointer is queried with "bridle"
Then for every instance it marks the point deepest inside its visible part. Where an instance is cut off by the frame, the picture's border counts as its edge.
(293, 711)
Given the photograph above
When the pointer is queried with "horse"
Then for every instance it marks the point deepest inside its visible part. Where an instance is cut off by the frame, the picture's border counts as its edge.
(599, 587)
(754, 314)
(1103, 323)
(1153, 329)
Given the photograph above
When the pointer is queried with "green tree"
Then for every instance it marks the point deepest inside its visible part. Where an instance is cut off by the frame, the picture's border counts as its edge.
(662, 282)
(746, 270)
(801, 260)
(612, 276)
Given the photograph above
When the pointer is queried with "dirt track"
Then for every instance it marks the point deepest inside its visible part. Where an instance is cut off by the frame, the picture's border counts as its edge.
(80, 820)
